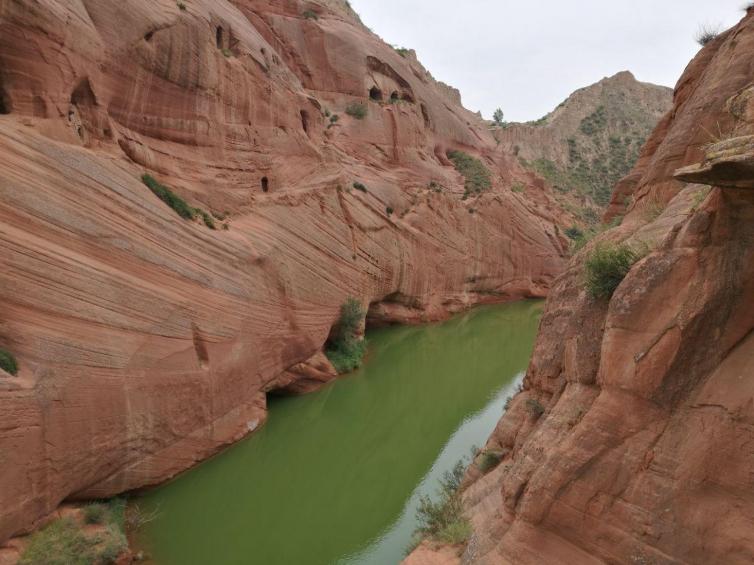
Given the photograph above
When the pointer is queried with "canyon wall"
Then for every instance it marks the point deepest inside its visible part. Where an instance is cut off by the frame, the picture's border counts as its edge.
(145, 341)
(632, 440)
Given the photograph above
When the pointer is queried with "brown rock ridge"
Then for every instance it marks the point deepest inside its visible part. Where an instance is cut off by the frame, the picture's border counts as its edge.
(591, 140)
(147, 342)
(645, 450)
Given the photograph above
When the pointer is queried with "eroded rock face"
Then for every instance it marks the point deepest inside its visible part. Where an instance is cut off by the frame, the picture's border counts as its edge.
(645, 450)
(147, 342)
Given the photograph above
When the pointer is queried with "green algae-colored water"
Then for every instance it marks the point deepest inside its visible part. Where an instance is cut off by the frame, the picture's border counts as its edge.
(334, 477)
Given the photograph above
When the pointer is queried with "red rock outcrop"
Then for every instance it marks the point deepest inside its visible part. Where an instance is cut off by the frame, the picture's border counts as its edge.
(645, 448)
(147, 342)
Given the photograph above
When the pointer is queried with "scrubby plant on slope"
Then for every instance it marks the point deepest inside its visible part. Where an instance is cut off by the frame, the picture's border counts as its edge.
(357, 110)
(345, 349)
(477, 176)
(442, 519)
(65, 542)
(178, 204)
(607, 265)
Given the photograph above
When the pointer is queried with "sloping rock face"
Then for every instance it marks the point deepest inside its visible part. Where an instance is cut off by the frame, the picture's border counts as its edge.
(645, 448)
(592, 139)
(147, 342)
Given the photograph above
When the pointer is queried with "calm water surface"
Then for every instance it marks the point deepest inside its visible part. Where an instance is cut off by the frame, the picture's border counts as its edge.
(334, 477)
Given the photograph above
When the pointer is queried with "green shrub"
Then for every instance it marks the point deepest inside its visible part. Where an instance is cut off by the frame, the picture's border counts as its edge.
(181, 6)
(442, 519)
(477, 176)
(455, 533)
(347, 356)
(402, 51)
(534, 407)
(389, 211)
(61, 543)
(208, 220)
(310, 15)
(606, 266)
(227, 52)
(65, 542)
(518, 187)
(169, 197)
(488, 460)
(113, 546)
(8, 362)
(357, 110)
(95, 513)
(344, 349)
(574, 233)
(359, 186)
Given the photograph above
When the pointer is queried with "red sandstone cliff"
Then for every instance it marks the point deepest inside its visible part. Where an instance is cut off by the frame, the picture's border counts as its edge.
(645, 450)
(146, 342)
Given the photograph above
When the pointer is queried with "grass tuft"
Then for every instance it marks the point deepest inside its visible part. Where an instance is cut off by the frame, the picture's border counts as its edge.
(488, 460)
(706, 34)
(534, 407)
(606, 266)
(8, 362)
(357, 110)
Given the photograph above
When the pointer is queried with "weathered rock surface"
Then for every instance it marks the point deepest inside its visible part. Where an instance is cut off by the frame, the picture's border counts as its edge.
(645, 450)
(147, 342)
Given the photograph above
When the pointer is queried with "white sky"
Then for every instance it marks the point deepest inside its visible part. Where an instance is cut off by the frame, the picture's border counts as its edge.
(527, 56)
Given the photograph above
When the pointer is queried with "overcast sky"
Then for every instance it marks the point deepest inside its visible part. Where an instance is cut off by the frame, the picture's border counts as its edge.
(527, 56)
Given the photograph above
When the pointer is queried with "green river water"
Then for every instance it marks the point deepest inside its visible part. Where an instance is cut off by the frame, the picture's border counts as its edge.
(334, 477)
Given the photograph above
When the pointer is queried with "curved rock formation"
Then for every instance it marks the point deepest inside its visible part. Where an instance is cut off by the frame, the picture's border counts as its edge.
(633, 439)
(146, 342)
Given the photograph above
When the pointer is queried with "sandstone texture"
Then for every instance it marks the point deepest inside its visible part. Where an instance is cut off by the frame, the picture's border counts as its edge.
(591, 140)
(645, 450)
(147, 342)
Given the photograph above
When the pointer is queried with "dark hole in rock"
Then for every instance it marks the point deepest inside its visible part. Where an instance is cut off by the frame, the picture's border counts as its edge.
(305, 120)
(5, 105)
(394, 96)
(407, 97)
(375, 93)
(148, 36)
(265, 184)
(219, 37)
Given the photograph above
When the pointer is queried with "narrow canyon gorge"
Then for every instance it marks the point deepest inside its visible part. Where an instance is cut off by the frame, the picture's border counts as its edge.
(308, 165)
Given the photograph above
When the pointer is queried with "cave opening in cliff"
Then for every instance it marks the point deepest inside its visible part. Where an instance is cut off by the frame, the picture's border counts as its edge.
(305, 120)
(394, 97)
(265, 184)
(5, 105)
(219, 36)
(375, 94)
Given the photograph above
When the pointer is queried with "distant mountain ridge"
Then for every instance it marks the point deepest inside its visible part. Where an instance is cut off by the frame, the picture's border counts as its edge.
(591, 140)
